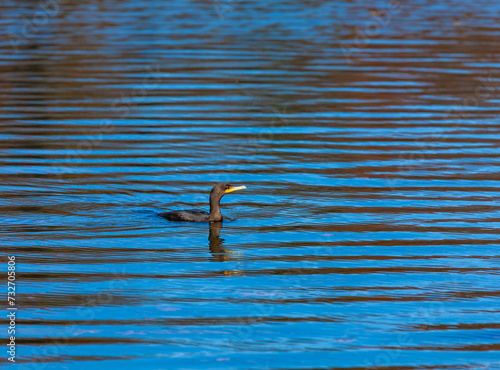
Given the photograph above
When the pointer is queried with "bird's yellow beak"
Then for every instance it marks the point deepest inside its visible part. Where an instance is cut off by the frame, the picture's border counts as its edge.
(234, 188)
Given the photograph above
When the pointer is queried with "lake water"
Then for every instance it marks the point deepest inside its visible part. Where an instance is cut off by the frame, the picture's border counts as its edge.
(368, 139)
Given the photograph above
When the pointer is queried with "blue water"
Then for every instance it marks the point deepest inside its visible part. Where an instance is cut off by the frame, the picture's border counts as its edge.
(367, 136)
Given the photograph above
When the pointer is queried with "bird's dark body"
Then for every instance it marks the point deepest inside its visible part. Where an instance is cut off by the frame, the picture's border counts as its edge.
(188, 215)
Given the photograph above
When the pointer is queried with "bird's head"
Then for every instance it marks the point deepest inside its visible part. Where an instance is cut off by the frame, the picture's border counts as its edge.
(221, 189)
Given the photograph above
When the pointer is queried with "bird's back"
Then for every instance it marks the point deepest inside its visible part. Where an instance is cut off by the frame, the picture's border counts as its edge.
(188, 215)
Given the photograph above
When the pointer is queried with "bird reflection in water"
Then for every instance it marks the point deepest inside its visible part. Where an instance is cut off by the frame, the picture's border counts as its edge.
(215, 243)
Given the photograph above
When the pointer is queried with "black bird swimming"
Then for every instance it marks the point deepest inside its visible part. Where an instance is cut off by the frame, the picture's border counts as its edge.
(197, 215)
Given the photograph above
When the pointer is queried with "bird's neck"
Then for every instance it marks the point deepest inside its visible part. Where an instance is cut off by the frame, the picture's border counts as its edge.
(215, 214)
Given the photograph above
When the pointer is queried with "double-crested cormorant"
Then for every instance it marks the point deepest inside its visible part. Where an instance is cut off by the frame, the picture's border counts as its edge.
(196, 215)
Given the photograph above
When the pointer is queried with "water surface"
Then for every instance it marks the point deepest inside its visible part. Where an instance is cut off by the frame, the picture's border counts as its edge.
(368, 139)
